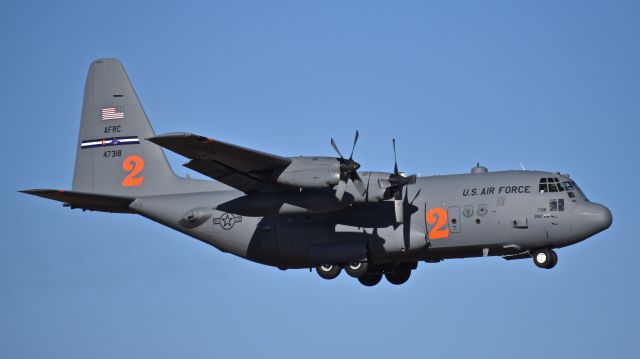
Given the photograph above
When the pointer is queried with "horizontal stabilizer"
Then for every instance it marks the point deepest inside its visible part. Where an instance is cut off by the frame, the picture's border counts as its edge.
(85, 201)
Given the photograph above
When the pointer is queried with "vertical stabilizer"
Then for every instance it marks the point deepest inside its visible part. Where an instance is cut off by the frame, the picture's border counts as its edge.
(113, 155)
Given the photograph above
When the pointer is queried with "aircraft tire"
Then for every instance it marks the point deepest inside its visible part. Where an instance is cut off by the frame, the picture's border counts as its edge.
(356, 269)
(399, 276)
(545, 258)
(554, 257)
(328, 271)
(370, 279)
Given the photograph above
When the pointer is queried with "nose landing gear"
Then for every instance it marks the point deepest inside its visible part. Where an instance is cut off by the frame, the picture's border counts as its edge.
(545, 258)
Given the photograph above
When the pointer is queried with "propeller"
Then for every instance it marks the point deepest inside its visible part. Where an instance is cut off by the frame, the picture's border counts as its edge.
(394, 186)
(348, 170)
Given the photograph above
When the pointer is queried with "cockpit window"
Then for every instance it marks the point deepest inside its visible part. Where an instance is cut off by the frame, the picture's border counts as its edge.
(568, 186)
(551, 184)
(575, 185)
(543, 187)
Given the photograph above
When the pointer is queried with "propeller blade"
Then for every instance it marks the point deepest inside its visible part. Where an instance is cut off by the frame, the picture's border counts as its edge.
(335, 147)
(395, 158)
(415, 197)
(399, 209)
(411, 179)
(355, 140)
(357, 182)
(342, 185)
(384, 183)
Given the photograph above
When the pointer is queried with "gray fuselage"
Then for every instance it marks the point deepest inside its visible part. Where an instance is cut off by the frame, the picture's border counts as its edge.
(452, 216)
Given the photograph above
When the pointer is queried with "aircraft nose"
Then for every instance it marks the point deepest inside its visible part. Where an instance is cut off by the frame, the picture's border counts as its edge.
(593, 217)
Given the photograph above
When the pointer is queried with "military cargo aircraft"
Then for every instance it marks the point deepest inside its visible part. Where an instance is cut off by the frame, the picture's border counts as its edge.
(314, 212)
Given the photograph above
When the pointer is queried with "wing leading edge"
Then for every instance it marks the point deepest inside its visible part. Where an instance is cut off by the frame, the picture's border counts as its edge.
(242, 168)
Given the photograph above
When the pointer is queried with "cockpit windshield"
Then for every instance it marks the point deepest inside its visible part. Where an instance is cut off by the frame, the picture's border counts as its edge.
(554, 184)
(551, 184)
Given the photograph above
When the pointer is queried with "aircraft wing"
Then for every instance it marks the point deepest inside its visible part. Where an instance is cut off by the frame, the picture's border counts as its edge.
(242, 168)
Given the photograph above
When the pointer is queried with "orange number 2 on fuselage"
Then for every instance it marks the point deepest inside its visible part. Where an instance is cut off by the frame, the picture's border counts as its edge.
(133, 165)
(437, 217)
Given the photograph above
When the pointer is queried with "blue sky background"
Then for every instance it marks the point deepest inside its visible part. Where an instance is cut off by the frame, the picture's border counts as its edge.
(552, 84)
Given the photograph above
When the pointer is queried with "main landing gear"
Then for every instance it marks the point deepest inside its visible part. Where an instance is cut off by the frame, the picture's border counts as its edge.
(545, 258)
(369, 274)
(328, 271)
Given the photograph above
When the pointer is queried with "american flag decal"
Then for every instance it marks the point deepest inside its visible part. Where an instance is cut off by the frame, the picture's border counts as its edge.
(112, 113)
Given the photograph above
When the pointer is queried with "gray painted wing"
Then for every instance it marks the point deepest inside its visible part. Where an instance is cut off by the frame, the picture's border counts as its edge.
(242, 168)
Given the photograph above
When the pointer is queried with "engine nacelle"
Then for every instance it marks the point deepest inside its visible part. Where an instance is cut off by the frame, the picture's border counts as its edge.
(311, 172)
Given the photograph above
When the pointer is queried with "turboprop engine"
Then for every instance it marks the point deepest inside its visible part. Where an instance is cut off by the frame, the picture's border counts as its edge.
(311, 172)
(323, 172)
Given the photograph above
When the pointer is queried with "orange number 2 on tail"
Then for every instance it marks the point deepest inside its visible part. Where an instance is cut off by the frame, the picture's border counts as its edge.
(133, 165)
(437, 231)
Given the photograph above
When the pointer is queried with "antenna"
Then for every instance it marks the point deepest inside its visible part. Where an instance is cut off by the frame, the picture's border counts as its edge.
(521, 165)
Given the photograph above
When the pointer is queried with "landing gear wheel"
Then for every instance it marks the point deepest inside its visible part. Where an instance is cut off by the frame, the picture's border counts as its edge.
(545, 258)
(399, 275)
(356, 269)
(370, 279)
(328, 271)
(554, 256)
